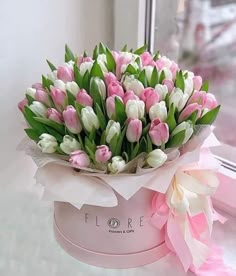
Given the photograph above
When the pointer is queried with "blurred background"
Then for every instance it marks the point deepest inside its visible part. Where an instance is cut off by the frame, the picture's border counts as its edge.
(199, 34)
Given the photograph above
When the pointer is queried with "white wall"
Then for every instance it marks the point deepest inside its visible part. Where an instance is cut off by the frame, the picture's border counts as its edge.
(30, 32)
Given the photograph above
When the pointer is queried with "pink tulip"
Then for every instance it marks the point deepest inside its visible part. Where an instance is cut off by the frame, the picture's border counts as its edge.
(121, 60)
(54, 115)
(71, 119)
(197, 82)
(158, 132)
(59, 98)
(79, 159)
(65, 73)
(150, 97)
(174, 68)
(42, 97)
(109, 78)
(37, 85)
(129, 95)
(82, 59)
(110, 105)
(134, 130)
(115, 88)
(84, 98)
(198, 97)
(102, 154)
(188, 111)
(147, 59)
(169, 84)
(211, 101)
(22, 104)
(115, 55)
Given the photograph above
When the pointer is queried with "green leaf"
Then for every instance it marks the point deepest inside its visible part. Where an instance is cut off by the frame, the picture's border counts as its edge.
(142, 78)
(192, 117)
(29, 116)
(125, 48)
(85, 81)
(135, 151)
(130, 69)
(103, 138)
(54, 133)
(162, 77)
(143, 145)
(32, 134)
(102, 48)
(96, 71)
(145, 130)
(95, 93)
(205, 86)
(78, 107)
(171, 118)
(58, 127)
(85, 54)
(52, 66)
(156, 56)
(101, 117)
(92, 134)
(111, 64)
(78, 77)
(140, 50)
(90, 144)
(120, 111)
(149, 144)
(154, 77)
(70, 98)
(179, 82)
(113, 144)
(95, 52)
(125, 156)
(176, 140)
(30, 99)
(46, 82)
(91, 154)
(68, 54)
(120, 141)
(209, 117)
(138, 61)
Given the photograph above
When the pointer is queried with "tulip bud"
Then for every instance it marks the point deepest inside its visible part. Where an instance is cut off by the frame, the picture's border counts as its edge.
(89, 118)
(189, 110)
(54, 115)
(169, 84)
(147, 59)
(47, 143)
(110, 77)
(101, 86)
(150, 97)
(178, 98)
(117, 164)
(211, 101)
(71, 119)
(102, 60)
(197, 82)
(110, 105)
(112, 129)
(134, 130)
(168, 74)
(69, 144)
(102, 154)
(115, 88)
(85, 66)
(121, 60)
(148, 72)
(129, 95)
(187, 126)
(188, 86)
(82, 59)
(52, 76)
(37, 85)
(42, 96)
(60, 84)
(59, 98)
(72, 87)
(22, 104)
(156, 158)
(65, 73)
(84, 98)
(163, 62)
(79, 159)
(158, 110)
(162, 90)
(39, 109)
(198, 97)
(135, 109)
(174, 68)
(158, 132)
(130, 83)
(31, 92)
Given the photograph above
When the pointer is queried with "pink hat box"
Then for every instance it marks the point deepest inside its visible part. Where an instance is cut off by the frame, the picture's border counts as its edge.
(111, 237)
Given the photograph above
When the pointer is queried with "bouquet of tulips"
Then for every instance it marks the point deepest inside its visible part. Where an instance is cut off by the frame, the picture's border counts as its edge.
(105, 110)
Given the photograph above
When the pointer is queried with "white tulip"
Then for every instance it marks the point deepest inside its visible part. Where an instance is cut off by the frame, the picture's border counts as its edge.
(156, 158)
(60, 84)
(128, 55)
(158, 110)
(89, 118)
(178, 98)
(162, 90)
(124, 66)
(190, 74)
(69, 144)
(101, 86)
(168, 74)
(86, 66)
(52, 76)
(117, 164)
(102, 60)
(148, 72)
(188, 86)
(166, 61)
(112, 129)
(31, 92)
(131, 83)
(39, 109)
(187, 126)
(69, 64)
(47, 143)
(72, 87)
(135, 109)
